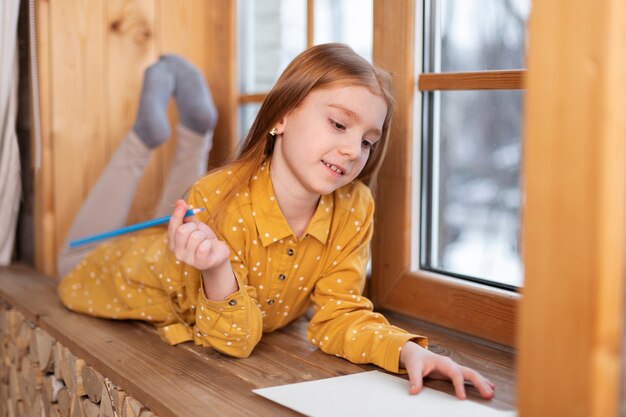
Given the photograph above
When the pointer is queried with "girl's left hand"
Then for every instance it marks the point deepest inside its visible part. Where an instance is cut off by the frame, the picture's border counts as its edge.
(420, 362)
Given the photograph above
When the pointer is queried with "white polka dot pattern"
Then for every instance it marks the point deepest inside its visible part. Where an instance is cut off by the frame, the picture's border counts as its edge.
(278, 275)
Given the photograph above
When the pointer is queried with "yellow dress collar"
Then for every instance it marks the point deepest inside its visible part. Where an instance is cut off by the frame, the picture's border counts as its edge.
(271, 224)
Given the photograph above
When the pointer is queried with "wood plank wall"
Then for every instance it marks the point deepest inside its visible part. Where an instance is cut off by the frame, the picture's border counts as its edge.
(92, 54)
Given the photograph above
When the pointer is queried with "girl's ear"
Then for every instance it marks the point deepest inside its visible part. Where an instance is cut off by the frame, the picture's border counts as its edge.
(280, 126)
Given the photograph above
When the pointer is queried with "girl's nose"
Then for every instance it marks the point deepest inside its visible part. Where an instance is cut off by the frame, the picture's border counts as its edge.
(351, 148)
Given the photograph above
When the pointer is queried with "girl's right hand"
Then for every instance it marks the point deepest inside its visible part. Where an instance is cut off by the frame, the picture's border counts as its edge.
(420, 362)
(193, 242)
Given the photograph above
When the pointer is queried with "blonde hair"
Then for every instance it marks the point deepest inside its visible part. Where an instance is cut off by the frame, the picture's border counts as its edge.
(318, 67)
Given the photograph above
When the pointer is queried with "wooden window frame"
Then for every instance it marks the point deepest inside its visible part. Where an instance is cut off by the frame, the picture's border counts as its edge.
(472, 308)
(571, 332)
(477, 309)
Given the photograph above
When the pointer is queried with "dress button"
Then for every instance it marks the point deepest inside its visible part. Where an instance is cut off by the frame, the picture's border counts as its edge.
(270, 301)
(290, 252)
(282, 277)
(232, 302)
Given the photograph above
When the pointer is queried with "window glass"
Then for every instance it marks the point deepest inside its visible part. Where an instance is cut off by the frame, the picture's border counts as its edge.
(247, 113)
(479, 35)
(471, 187)
(346, 21)
(271, 34)
(469, 196)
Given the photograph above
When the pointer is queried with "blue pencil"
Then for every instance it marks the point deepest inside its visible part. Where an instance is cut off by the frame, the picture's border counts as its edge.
(128, 229)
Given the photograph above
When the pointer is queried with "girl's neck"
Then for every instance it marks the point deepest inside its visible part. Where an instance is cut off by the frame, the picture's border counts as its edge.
(296, 204)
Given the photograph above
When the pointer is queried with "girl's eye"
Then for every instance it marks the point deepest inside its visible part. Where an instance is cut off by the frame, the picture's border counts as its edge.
(367, 144)
(337, 125)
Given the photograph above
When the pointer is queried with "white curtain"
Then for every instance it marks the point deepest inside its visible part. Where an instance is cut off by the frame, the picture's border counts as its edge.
(10, 182)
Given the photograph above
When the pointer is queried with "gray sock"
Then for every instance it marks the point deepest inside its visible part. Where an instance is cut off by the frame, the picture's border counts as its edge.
(151, 123)
(193, 98)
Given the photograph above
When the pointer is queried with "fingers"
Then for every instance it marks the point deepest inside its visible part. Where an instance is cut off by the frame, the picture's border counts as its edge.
(181, 231)
(196, 237)
(186, 241)
(192, 241)
(421, 363)
(416, 381)
(204, 249)
(456, 376)
(482, 384)
(446, 368)
(175, 221)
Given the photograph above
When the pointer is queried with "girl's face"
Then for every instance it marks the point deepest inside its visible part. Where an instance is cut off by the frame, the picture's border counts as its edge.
(324, 143)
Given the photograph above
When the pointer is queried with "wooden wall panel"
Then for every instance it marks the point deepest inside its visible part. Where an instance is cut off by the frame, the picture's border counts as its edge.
(44, 224)
(182, 31)
(92, 55)
(204, 32)
(131, 46)
(78, 104)
(222, 75)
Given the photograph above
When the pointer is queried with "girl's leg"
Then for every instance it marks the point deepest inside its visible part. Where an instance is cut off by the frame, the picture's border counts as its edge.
(189, 163)
(198, 117)
(109, 202)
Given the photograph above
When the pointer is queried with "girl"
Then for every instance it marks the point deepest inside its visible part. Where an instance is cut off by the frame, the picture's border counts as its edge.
(287, 225)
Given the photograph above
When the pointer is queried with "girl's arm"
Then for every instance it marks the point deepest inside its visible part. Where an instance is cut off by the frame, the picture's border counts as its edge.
(227, 316)
(345, 325)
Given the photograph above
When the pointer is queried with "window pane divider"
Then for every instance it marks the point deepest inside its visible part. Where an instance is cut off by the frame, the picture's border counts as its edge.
(310, 23)
(472, 308)
(251, 98)
(478, 80)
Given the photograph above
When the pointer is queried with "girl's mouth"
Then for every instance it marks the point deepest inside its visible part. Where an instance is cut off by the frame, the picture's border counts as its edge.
(333, 168)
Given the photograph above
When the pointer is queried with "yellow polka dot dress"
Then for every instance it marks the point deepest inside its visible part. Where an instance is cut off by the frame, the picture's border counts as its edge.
(279, 275)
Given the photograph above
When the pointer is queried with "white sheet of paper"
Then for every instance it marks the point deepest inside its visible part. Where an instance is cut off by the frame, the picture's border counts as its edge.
(372, 394)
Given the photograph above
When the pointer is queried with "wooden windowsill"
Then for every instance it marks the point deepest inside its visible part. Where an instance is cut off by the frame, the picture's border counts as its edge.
(188, 380)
